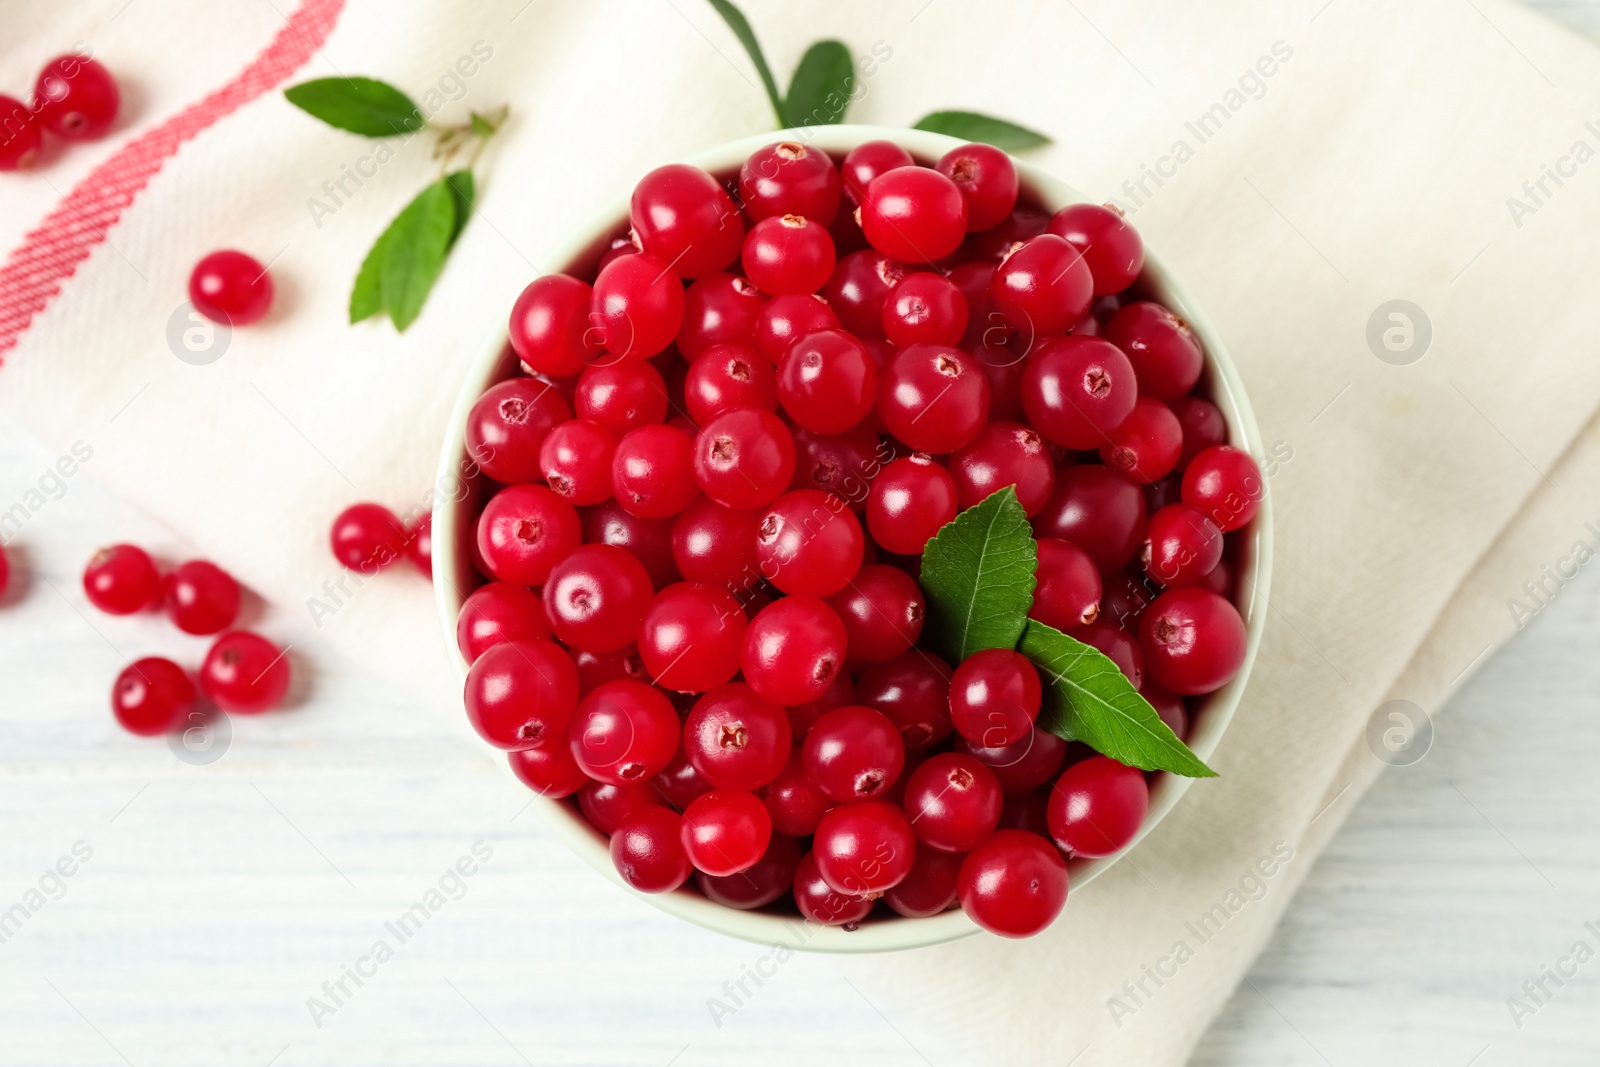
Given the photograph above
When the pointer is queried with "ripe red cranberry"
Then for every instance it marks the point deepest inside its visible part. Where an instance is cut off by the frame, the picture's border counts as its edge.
(908, 504)
(1181, 546)
(622, 245)
(728, 376)
(367, 538)
(523, 530)
(1120, 646)
(1163, 349)
(1099, 511)
(1014, 884)
(994, 698)
(827, 382)
(231, 288)
(1193, 641)
(76, 98)
(866, 161)
(419, 543)
(498, 612)
(1004, 453)
(201, 597)
(1023, 224)
(795, 804)
(736, 738)
(715, 544)
(840, 691)
(864, 849)
(913, 690)
(1220, 579)
(647, 849)
(691, 637)
(953, 802)
(121, 580)
(606, 805)
(1169, 706)
(1168, 490)
(597, 668)
(1067, 587)
(783, 320)
(788, 178)
(793, 649)
(843, 464)
(683, 216)
(637, 306)
(725, 831)
(987, 179)
(521, 694)
(1027, 811)
(624, 731)
(719, 309)
(152, 696)
(507, 427)
(1077, 390)
(760, 884)
(930, 886)
(549, 771)
(1097, 806)
(245, 673)
(1145, 448)
(860, 287)
(934, 398)
(575, 460)
(788, 254)
(925, 308)
(820, 903)
(1042, 286)
(744, 458)
(649, 540)
(1022, 765)
(1109, 244)
(679, 783)
(913, 214)
(20, 136)
(550, 326)
(809, 543)
(596, 597)
(1225, 484)
(853, 753)
(653, 471)
(883, 611)
(1203, 427)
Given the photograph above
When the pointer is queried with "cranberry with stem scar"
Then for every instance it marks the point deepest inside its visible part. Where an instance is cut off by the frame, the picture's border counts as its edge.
(913, 214)
(809, 543)
(653, 471)
(245, 673)
(788, 254)
(827, 382)
(76, 98)
(624, 731)
(934, 398)
(793, 649)
(521, 694)
(727, 376)
(1193, 641)
(954, 802)
(987, 179)
(1004, 453)
(783, 320)
(523, 531)
(1042, 286)
(788, 178)
(1077, 390)
(860, 287)
(121, 580)
(691, 637)
(736, 738)
(744, 458)
(508, 424)
(596, 597)
(913, 690)
(883, 611)
(1067, 588)
(719, 309)
(853, 753)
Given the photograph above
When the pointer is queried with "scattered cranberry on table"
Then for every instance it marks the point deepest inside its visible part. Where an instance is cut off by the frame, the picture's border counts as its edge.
(245, 673)
(152, 696)
(76, 98)
(231, 288)
(121, 580)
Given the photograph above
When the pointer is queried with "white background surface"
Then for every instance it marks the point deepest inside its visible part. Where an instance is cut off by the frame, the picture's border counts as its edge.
(220, 898)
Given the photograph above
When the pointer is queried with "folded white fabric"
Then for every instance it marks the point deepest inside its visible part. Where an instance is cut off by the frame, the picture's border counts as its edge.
(1302, 167)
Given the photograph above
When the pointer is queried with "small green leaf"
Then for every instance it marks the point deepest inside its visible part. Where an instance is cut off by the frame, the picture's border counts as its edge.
(361, 105)
(418, 239)
(819, 92)
(481, 126)
(747, 37)
(977, 573)
(1091, 700)
(366, 296)
(463, 193)
(971, 126)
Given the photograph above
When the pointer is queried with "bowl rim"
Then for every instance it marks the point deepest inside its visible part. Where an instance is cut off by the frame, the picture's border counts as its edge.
(888, 934)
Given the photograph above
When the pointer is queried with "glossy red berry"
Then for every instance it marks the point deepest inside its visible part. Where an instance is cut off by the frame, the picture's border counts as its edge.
(716, 545)
(864, 849)
(821, 903)
(728, 376)
(606, 805)
(1181, 546)
(637, 306)
(759, 884)
(653, 471)
(1146, 446)
(367, 538)
(908, 504)
(649, 540)
(934, 398)
(744, 458)
(827, 382)
(913, 690)
(1097, 807)
(76, 98)
(1193, 641)
(548, 770)
(953, 802)
(883, 611)
(929, 888)
(508, 424)
(1067, 586)
(521, 694)
(245, 673)
(1077, 390)
(809, 543)
(523, 530)
(719, 309)
(783, 320)
(1224, 484)
(840, 691)
(683, 216)
(1203, 427)
(121, 580)
(987, 179)
(1099, 511)
(1162, 348)
(231, 288)
(1042, 286)
(795, 804)
(1014, 884)
(596, 597)
(1023, 765)
(691, 637)
(1170, 707)
(1109, 244)
(201, 597)
(793, 649)
(853, 753)
(624, 731)
(844, 464)
(860, 287)
(498, 612)
(419, 543)
(1004, 453)
(597, 668)
(550, 326)
(790, 179)
(788, 254)
(913, 214)
(152, 696)
(621, 396)
(866, 161)
(1120, 646)
(1021, 225)
(575, 460)
(736, 738)
(20, 136)
(725, 831)
(994, 698)
(925, 308)
(647, 849)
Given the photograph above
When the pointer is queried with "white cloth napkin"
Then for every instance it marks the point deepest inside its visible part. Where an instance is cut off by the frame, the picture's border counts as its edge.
(1299, 165)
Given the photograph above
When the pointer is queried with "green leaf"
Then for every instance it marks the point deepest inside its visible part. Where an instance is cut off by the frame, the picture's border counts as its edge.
(977, 573)
(819, 92)
(747, 37)
(971, 126)
(361, 105)
(463, 194)
(1092, 701)
(366, 296)
(418, 239)
(482, 127)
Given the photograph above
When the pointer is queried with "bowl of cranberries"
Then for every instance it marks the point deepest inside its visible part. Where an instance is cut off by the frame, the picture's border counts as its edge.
(697, 473)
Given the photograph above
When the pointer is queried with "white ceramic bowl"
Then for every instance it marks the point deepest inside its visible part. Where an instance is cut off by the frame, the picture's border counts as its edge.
(454, 575)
